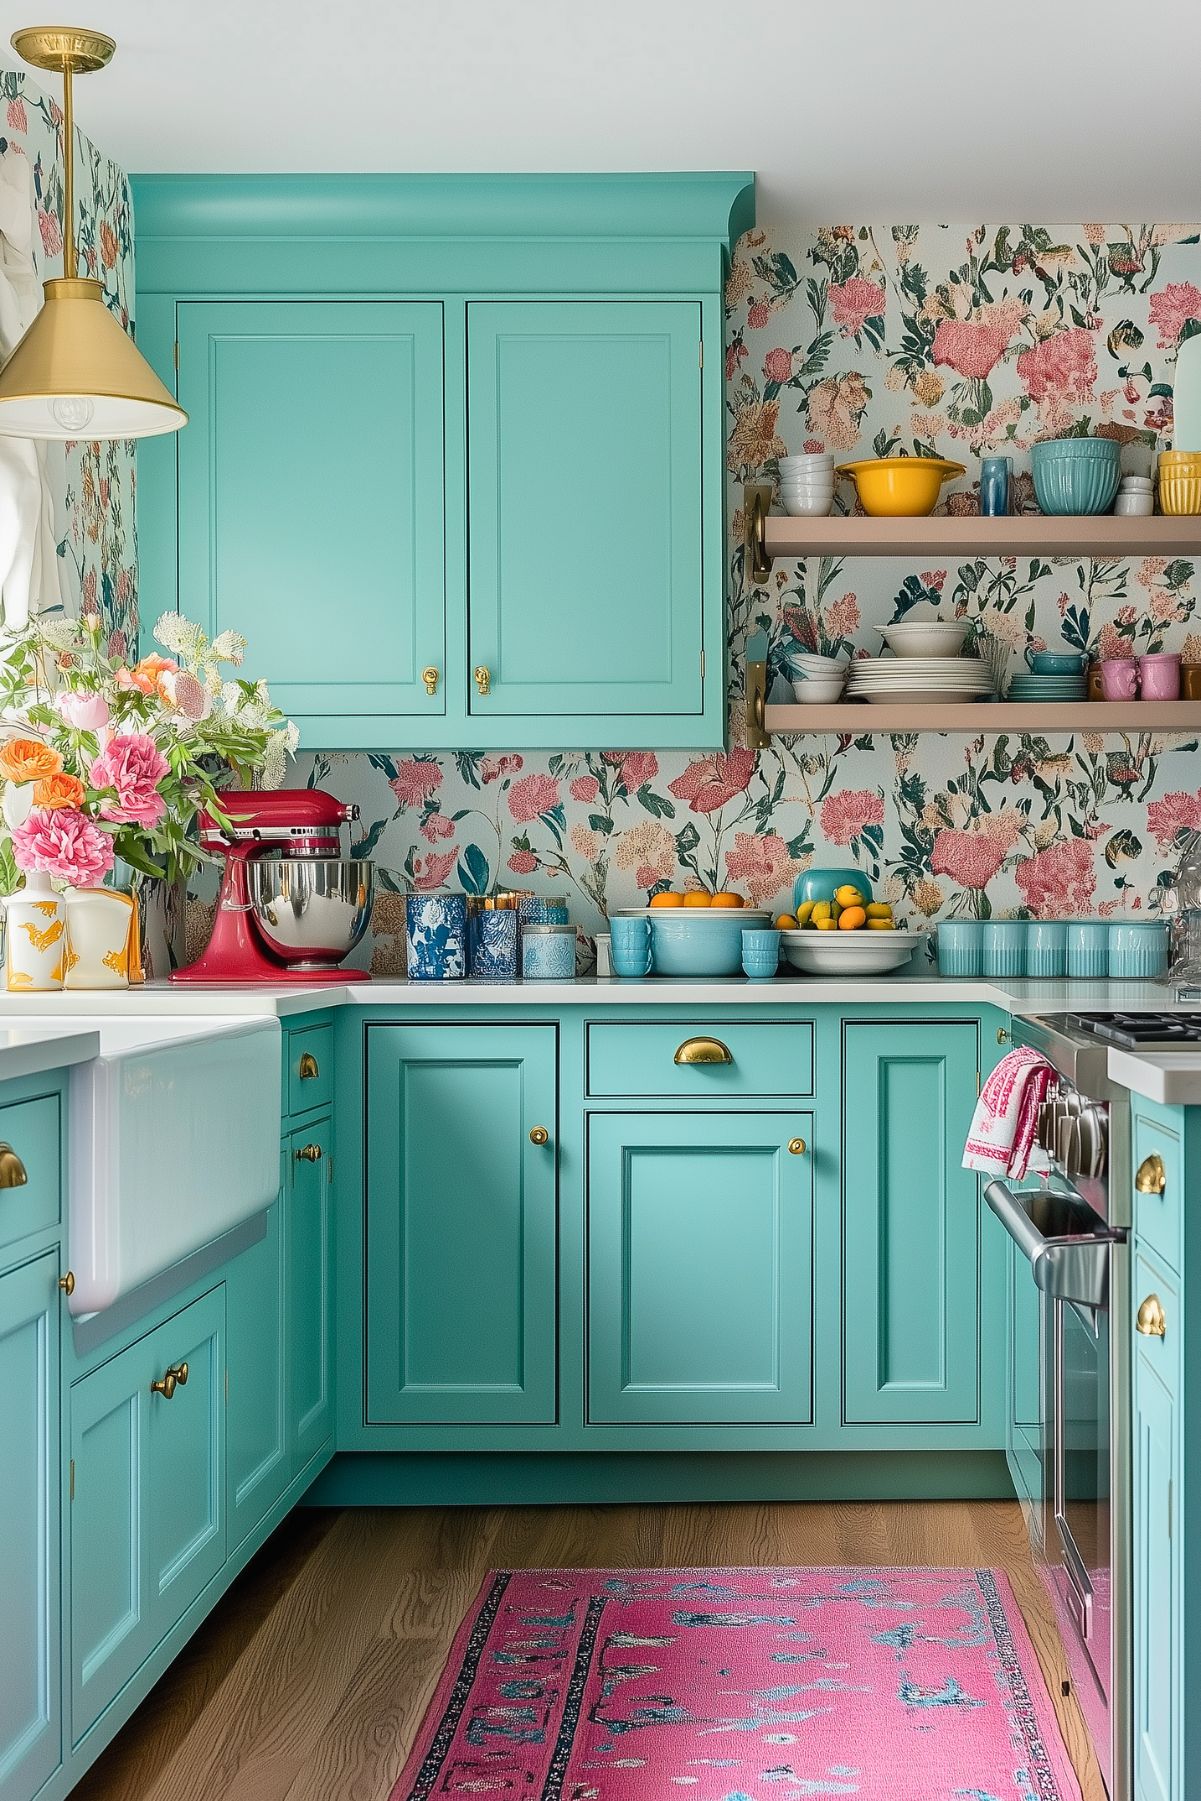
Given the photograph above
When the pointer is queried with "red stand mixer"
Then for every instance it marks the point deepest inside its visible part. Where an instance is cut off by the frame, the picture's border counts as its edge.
(291, 905)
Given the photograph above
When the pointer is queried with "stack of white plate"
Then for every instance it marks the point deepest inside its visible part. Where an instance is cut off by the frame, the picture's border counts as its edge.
(819, 679)
(807, 484)
(914, 680)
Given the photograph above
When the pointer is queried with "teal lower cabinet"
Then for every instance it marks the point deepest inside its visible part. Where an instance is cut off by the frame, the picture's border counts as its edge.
(148, 1509)
(1158, 1586)
(462, 1224)
(309, 1254)
(1023, 1428)
(257, 1450)
(700, 1268)
(31, 1643)
(911, 1225)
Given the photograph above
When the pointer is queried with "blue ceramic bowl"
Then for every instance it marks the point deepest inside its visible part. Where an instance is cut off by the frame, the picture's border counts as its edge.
(1070, 479)
(700, 942)
(819, 884)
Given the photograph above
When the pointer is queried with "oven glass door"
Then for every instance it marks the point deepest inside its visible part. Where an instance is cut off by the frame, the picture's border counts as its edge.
(1076, 1340)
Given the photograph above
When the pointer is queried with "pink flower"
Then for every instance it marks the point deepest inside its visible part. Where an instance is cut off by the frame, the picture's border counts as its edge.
(133, 765)
(18, 119)
(758, 315)
(1178, 812)
(86, 712)
(585, 788)
(972, 347)
(1062, 367)
(636, 767)
(63, 843)
(970, 858)
(1112, 645)
(761, 864)
(777, 365)
(523, 862)
(585, 843)
(493, 768)
(435, 826)
(842, 617)
(185, 694)
(1172, 308)
(1061, 879)
(52, 237)
(535, 795)
(432, 871)
(415, 780)
(846, 814)
(934, 579)
(710, 782)
(854, 302)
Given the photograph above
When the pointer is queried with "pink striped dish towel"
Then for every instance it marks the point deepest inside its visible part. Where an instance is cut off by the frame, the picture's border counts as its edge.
(1001, 1141)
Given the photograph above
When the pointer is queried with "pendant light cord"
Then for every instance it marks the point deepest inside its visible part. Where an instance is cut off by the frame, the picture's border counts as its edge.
(69, 261)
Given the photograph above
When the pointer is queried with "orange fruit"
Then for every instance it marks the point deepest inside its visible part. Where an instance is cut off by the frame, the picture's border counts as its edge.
(727, 898)
(786, 922)
(698, 897)
(851, 918)
(667, 899)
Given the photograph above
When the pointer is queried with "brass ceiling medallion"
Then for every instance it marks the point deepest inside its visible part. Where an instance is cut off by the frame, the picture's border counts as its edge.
(76, 373)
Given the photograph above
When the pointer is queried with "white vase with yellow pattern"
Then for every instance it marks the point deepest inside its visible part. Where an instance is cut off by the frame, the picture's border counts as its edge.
(35, 938)
(102, 938)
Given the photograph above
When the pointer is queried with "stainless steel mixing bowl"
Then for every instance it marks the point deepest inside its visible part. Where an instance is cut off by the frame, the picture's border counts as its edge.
(311, 911)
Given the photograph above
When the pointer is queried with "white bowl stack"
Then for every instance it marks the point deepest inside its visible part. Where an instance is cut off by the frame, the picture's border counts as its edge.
(819, 679)
(807, 485)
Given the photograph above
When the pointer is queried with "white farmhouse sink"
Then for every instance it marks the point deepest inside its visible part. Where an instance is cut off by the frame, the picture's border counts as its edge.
(174, 1140)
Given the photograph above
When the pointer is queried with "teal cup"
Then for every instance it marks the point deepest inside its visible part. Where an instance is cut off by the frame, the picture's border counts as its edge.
(1004, 952)
(1055, 662)
(1138, 950)
(760, 952)
(1046, 947)
(960, 945)
(1088, 948)
(630, 946)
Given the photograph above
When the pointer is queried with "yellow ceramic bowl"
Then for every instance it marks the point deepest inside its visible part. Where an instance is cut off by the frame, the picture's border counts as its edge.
(900, 487)
(1179, 494)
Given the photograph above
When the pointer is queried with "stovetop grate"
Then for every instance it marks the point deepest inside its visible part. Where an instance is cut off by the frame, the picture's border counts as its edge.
(1141, 1031)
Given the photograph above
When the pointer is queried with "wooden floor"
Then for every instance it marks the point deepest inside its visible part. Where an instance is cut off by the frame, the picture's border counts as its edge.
(309, 1680)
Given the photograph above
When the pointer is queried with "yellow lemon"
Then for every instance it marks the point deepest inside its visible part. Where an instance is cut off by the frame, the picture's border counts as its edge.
(881, 925)
(879, 910)
(822, 910)
(825, 925)
(803, 912)
(785, 922)
(848, 896)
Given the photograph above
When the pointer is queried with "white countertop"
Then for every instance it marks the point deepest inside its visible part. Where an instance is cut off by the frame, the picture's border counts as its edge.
(1173, 1077)
(32, 1049)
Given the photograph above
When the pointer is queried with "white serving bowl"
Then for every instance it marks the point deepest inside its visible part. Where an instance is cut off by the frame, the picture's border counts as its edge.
(925, 637)
(819, 690)
(811, 459)
(808, 491)
(860, 953)
(816, 664)
(800, 506)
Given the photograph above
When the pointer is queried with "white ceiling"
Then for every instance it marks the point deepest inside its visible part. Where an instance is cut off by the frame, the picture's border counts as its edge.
(874, 109)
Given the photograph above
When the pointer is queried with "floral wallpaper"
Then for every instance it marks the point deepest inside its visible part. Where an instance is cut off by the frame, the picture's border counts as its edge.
(869, 340)
(93, 483)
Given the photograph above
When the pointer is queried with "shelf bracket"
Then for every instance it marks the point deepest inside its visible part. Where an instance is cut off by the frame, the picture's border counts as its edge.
(757, 735)
(756, 504)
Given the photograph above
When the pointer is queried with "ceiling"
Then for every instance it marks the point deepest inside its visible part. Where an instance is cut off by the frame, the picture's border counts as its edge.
(1027, 110)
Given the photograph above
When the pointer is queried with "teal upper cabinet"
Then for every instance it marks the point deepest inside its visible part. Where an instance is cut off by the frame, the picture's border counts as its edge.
(310, 479)
(456, 449)
(584, 477)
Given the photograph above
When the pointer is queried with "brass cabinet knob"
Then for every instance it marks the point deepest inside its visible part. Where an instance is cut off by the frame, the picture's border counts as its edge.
(429, 676)
(67, 1282)
(1152, 1177)
(797, 1146)
(539, 1135)
(13, 1173)
(180, 1373)
(309, 1153)
(165, 1386)
(310, 1069)
(1002, 1035)
(483, 678)
(703, 1050)
(1151, 1322)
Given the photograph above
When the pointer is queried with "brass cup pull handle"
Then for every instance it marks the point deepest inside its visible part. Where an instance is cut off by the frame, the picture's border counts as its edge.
(703, 1050)
(429, 676)
(309, 1153)
(797, 1147)
(165, 1386)
(67, 1282)
(309, 1069)
(1152, 1177)
(13, 1173)
(483, 678)
(1151, 1321)
(539, 1135)
(180, 1372)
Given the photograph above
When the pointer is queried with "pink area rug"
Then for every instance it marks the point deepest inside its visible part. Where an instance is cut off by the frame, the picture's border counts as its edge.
(741, 1685)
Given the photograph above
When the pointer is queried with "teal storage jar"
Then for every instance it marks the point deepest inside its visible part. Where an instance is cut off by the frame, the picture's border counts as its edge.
(1004, 952)
(820, 884)
(1138, 950)
(960, 946)
(1046, 947)
(1088, 948)
(1076, 475)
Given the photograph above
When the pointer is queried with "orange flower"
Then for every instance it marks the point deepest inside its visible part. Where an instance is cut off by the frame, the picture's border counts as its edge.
(28, 760)
(147, 675)
(61, 790)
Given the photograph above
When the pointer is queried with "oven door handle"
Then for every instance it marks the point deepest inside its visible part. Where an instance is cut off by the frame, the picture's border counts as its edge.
(1074, 1268)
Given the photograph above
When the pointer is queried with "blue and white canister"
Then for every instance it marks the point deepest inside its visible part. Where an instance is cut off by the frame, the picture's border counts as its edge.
(436, 937)
(542, 910)
(494, 945)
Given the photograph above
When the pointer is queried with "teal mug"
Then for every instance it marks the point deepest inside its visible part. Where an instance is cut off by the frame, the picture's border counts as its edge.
(630, 945)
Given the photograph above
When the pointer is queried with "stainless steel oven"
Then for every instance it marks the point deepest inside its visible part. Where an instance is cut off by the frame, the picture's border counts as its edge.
(1069, 1378)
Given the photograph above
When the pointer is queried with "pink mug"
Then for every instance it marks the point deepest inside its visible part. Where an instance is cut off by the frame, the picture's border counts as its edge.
(1119, 678)
(1159, 676)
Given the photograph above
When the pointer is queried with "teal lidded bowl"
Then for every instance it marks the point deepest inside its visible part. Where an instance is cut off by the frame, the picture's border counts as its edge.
(696, 941)
(1076, 475)
(819, 885)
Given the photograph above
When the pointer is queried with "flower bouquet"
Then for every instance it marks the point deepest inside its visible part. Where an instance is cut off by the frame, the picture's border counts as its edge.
(100, 760)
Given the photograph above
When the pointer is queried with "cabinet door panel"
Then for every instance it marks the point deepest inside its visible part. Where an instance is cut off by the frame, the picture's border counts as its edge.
(30, 1645)
(1158, 1567)
(310, 1268)
(911, 1225)
(256, 1443)
(700, 1274)
(461, 1224)
(311, 499)
(186, 1461)
(584, 471)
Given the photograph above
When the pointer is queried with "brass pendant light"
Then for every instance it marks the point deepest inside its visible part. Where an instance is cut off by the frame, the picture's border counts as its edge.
(76, 373)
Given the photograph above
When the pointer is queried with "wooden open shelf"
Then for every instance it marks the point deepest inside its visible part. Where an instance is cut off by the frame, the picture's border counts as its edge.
(852, 718)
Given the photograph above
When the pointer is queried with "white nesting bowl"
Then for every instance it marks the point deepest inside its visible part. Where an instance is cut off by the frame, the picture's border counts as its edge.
(800, 506)
(818, 690)
(806, 490)
(925, 637)
(861, 953)
(817, 664)
(815, 459)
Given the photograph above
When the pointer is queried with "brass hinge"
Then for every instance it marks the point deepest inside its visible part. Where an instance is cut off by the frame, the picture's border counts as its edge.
(701, 359)
(977, 1081)
(176, 355)
(72, 1478)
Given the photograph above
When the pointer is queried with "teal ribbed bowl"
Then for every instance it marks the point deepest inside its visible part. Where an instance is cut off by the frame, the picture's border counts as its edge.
(1076, 475)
